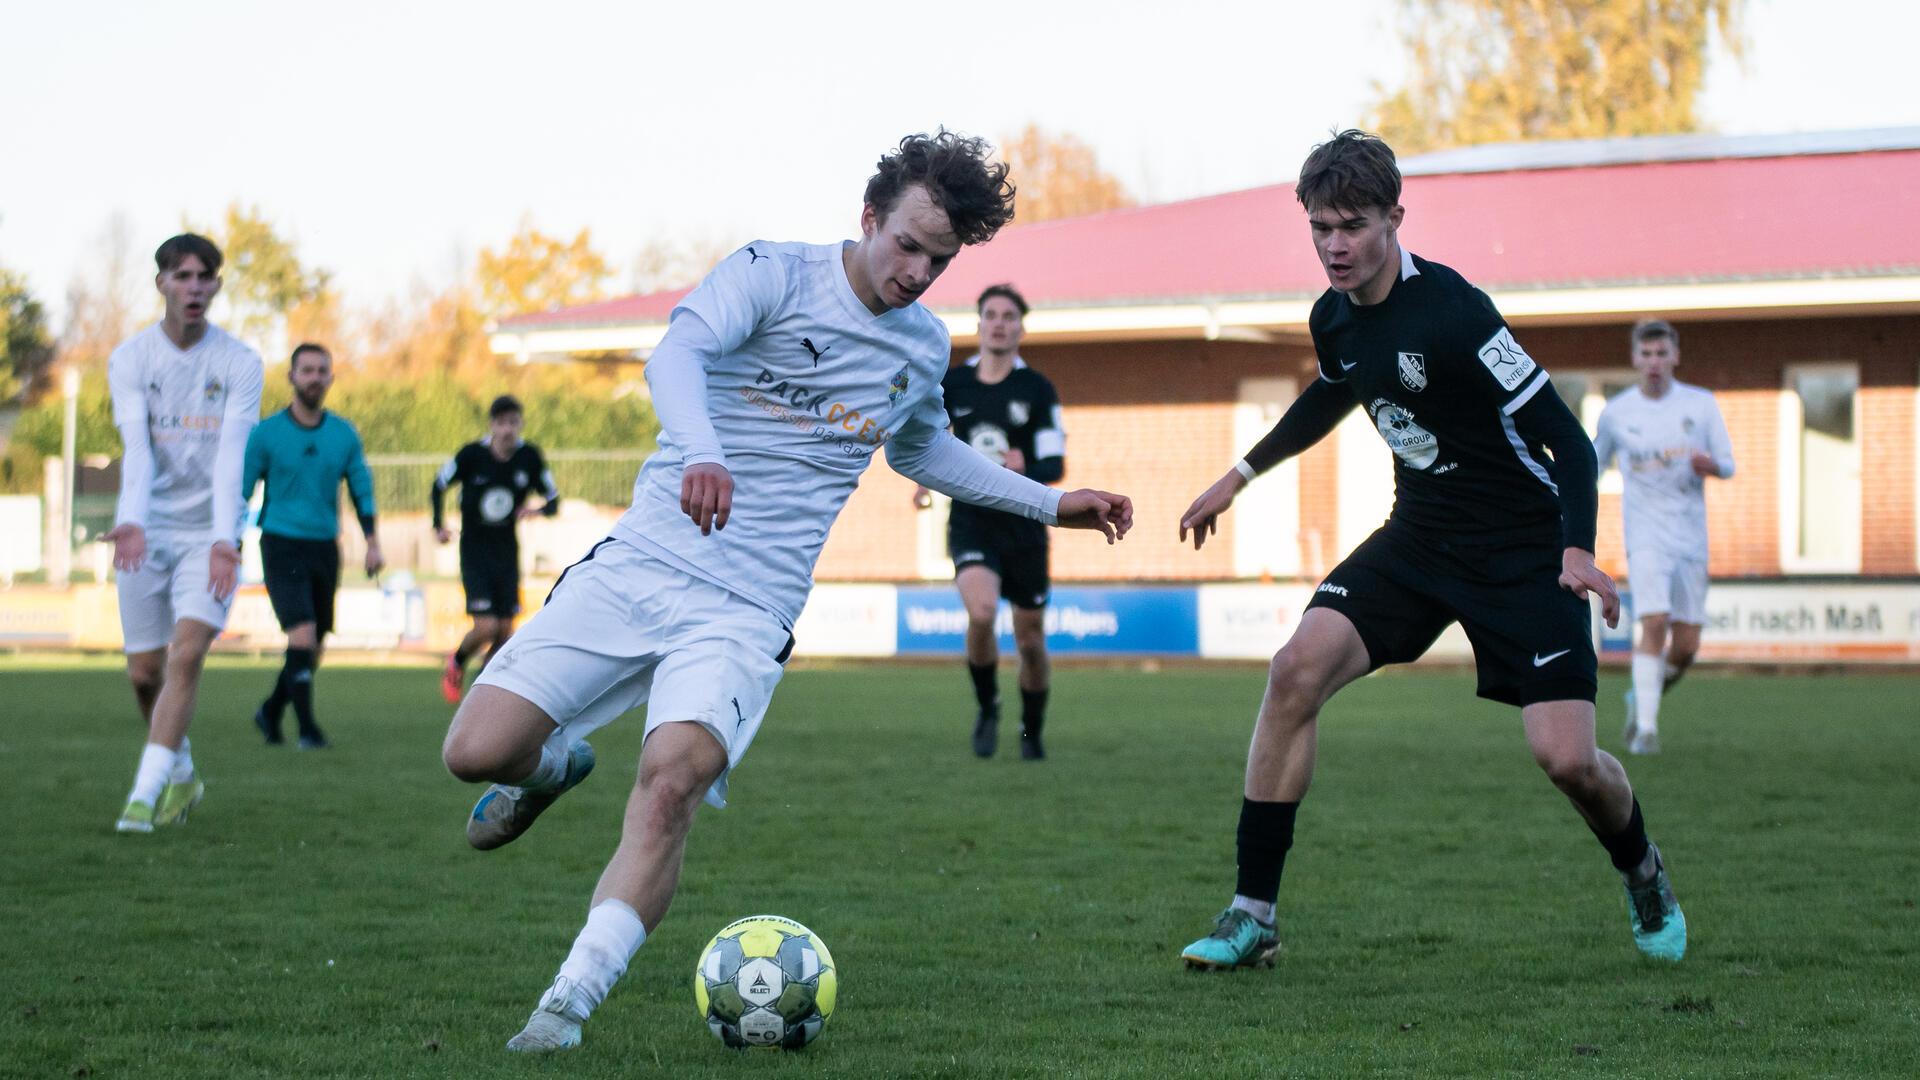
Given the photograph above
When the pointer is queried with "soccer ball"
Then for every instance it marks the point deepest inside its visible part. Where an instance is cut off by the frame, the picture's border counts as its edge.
(765, 981)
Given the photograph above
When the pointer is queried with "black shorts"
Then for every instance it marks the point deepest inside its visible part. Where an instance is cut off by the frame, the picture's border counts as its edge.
(302, 576)
(1015, 549)
(1532, 639)
(491, 574)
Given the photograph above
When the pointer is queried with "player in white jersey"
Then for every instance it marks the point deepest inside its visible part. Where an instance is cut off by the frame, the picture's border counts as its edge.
(778, 379)
(1669, 438)
(185, 397)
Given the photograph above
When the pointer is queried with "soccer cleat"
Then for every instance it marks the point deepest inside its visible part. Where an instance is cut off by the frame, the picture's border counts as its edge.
(554, 1025)
(136, 818)
(1632, 726)
(986, 730)
(1030, 747)
(177, 799)
(1659, 927)
(504, 812)
(269, 728)
(314, 740)
(1238, 940)
(452, 680)
(1644, 742)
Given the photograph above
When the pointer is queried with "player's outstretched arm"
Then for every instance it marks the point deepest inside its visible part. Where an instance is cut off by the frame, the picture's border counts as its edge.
(1311, 417)
(1580, 577)
(1090, 508)
(1203, 517)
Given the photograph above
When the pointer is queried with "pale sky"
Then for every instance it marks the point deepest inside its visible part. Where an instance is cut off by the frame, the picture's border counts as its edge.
(390, 140)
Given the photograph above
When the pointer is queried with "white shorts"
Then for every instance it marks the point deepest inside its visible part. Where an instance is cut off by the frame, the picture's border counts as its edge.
(169, 586)
(1665, 585)
(623, 629)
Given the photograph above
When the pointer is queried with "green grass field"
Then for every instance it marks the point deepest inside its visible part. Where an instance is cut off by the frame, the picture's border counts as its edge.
(1444, 911)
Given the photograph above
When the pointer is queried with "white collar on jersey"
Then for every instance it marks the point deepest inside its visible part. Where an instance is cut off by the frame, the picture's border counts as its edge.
(974, 361)
(1407, 269)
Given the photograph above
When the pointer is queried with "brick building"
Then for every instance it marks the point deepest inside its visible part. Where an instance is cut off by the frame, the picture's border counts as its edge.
(1176, 335)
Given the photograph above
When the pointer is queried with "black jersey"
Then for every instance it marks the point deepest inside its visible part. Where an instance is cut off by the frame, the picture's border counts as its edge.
(492, 491)
(1440, 374)
(1020, 412)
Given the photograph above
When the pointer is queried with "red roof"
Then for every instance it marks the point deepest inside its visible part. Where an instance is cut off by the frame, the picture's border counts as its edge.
(1727, 219)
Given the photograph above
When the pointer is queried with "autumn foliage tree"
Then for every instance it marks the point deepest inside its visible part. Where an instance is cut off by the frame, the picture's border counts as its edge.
(537, 272)
(1057, 176)
(1485, 71)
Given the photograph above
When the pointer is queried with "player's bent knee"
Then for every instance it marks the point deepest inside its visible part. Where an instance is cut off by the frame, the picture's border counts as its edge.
(1570, 772)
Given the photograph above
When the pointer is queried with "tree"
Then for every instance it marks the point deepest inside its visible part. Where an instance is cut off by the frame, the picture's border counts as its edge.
(25, 348)
(1511, 70)
(108, 300)
(265, 281)
(1058, 176)
(537, 272)
(664, 263)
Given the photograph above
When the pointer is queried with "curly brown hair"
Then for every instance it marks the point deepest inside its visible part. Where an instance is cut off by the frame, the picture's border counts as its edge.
(957, 176)
(1351, 171)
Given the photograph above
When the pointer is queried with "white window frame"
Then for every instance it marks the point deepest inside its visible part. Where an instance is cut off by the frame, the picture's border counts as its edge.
(1592, 403)
(1266, 516)
(1790, 430)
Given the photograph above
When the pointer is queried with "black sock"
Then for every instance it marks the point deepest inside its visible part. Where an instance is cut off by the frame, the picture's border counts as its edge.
(1628, 847)
(298, 682)
(275, 707)
(1265, 834)
(1033, 710)
(986, 683)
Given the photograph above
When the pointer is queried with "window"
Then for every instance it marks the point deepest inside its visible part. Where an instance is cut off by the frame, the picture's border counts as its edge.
(1820, 495)
(1586, 394)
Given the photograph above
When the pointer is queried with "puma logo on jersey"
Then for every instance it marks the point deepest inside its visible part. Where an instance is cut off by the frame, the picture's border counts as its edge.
(817, 352)
(753, 256)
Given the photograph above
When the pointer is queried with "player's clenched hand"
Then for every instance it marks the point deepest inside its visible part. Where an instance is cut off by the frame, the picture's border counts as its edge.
(1102, 510)
(1704, 465)
(375, 560)
(1203, 517)
(129, 546)
(1015, 460)
(1579, 576)
(223, 570)
(706, 496)
(443, 535)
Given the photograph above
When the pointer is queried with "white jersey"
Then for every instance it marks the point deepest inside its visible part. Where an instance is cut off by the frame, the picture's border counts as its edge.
(808, 384)
(1655, 439)
(184, 418)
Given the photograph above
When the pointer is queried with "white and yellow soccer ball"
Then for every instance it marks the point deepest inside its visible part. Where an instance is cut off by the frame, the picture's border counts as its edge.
(765, 981)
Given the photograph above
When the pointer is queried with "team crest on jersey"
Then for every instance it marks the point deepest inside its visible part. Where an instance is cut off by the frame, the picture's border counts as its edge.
(1686, 424)
(897, 389)
(215, 388)
(1413, 371)
(520, 478)
(1017, 413)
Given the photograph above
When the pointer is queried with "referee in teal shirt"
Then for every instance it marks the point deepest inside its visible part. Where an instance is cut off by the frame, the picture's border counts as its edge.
(303, 452)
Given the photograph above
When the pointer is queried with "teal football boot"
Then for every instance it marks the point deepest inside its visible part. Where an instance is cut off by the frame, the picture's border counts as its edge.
(1238, 940)
(504, 812)
(1659, 927)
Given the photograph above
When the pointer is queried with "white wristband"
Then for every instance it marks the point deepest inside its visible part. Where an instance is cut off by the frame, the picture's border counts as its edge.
(1245, 470)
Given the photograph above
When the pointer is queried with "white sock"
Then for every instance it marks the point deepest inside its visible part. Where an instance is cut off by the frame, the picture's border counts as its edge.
(550, 772)
(1648, 676)
(1261, 910)
(156, 762)
(600, 954)
(182, 764)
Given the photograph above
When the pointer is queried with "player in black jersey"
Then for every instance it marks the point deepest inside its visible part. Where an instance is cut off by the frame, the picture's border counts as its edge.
(495, 474)
(1011, 415)
(1492, 527)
